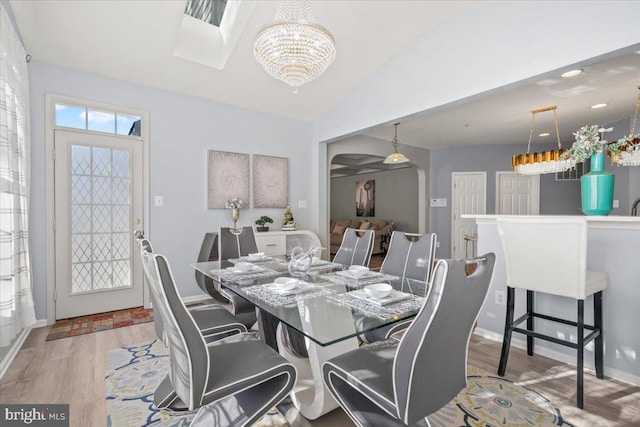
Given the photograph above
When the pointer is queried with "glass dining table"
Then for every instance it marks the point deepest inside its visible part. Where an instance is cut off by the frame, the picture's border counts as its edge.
(319, 318)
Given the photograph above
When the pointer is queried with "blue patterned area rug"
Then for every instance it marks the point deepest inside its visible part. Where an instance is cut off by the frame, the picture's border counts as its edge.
(135, 371)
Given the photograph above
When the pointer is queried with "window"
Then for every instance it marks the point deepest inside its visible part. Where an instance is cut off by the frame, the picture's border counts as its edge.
(209, 11)
(73, 116)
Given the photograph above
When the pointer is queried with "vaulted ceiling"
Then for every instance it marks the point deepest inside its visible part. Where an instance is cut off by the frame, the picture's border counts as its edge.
(142, 41)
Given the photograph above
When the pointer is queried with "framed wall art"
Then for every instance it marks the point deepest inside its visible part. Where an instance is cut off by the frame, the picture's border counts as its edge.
(366, 198)
(228, 177)
(270, 182)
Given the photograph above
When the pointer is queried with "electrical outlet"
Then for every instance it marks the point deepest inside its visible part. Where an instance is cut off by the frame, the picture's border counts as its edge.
(500, 298)
(437, 244)
(616, 204)
(159, 201)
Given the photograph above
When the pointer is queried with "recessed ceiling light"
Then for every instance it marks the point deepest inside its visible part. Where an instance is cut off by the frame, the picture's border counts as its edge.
(571, 73)
(544, 134)
(599, 106)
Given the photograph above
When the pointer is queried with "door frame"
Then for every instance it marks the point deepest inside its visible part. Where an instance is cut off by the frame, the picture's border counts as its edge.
(50, 101)
(453, 190)
(536, 187)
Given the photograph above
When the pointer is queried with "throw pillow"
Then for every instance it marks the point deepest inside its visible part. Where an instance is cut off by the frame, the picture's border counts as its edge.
(339, 229)
(364, 226)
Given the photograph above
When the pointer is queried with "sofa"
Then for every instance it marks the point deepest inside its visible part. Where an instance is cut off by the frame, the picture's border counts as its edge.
(382, 228)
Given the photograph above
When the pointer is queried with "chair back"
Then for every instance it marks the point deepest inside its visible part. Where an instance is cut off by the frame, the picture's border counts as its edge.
(430, 365)
(145, 246)
(234, 246)
(209, 252)
(356, 247)
(188, 355)
(410, 256)
(546, 254)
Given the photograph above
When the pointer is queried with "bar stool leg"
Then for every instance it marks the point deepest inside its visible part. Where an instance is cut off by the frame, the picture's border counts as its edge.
(599, 341)
(508, 325)
(529, 322)
(580, 364)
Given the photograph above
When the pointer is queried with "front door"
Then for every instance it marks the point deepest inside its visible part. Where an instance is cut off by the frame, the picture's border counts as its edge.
(469, 197)
(98, 202)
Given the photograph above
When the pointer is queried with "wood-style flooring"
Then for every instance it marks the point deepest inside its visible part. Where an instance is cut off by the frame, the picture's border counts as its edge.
(71, 370)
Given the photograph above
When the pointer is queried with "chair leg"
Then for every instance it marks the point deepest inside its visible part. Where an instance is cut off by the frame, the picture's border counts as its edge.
(529, 322)
(580, 362)
(599, 341)
(508, 325)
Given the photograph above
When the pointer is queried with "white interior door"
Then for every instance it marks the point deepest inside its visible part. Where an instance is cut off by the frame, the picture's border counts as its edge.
(517, 194)
(98, 202)
(469, 197)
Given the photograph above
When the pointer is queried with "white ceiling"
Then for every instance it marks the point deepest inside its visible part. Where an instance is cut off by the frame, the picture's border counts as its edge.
(135, 41)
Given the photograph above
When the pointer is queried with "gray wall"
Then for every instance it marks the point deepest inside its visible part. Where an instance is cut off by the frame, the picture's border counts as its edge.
(556, 197)
(182, 129)
(396, 197)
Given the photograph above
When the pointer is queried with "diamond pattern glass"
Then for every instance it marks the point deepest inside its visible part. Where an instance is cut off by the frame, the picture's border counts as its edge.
(100, 219)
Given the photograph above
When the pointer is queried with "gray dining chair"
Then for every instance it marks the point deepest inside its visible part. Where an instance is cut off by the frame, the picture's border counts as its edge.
(234, 246)
(209, 252)
(356, 247)
(399, 383)
(214, 321)
(410, 258)
(233, 382)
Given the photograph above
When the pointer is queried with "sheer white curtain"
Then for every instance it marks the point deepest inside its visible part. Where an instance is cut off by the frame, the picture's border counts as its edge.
(16, 299)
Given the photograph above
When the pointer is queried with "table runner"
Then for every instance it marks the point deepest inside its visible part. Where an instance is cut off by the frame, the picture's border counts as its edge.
(383, 312)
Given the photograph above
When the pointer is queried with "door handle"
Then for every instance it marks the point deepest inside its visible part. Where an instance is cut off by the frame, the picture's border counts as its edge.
(138, 234)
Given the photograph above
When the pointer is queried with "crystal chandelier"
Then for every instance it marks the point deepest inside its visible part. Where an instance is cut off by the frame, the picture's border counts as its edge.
(630, 152)
(546, 162)
(395, 157)
(294, 48)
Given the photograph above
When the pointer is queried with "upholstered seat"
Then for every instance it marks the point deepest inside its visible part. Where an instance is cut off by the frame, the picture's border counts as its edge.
(410, 257)
(398, 383)
(549, 255)
(356, 248)
(234, 381)
(213, 320)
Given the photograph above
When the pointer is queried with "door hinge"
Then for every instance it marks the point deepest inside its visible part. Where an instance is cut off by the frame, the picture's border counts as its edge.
(53, 153)
(55, 295)
(54, 224)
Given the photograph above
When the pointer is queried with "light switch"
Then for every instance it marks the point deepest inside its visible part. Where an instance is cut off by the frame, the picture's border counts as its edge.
(302, 204)
(438, 203)
(159, 201)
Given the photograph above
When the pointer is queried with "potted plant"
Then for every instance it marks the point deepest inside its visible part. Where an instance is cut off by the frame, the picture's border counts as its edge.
(260, 222)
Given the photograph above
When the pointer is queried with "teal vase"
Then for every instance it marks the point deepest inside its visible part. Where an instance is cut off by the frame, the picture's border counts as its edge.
(597, 188)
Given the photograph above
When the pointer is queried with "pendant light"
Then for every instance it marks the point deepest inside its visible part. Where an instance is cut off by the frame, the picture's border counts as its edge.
(546, 162)
(395, 157)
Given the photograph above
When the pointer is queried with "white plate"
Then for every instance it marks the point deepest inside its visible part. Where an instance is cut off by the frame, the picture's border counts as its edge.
(236, 271)
(300, 288)
(394, 296)
(350, 275)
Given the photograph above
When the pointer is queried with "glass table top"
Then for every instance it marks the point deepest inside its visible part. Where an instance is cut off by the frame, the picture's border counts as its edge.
(327, 305)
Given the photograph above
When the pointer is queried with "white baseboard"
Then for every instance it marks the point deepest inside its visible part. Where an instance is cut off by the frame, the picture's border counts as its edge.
(17, 345)
(613, 373)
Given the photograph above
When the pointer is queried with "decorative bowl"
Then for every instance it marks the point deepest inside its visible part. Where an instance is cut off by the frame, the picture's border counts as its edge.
(378, 290)
(243, 267)
(285, 283)
(358, 270)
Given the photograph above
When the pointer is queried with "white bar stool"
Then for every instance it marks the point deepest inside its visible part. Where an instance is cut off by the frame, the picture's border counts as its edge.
(550, 255)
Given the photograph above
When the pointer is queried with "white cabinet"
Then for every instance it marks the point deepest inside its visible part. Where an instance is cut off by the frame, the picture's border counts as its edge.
(282, 242)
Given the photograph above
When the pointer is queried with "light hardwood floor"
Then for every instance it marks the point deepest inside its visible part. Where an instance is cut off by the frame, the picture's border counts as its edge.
(71, 370)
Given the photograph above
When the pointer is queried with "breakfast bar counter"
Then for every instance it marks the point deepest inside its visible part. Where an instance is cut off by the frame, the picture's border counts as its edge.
(613, 249)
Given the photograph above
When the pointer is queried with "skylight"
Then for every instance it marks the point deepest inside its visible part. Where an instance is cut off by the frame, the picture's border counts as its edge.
(209, 11)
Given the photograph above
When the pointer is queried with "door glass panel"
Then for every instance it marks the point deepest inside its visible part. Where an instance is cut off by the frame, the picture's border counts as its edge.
(71, 116)
(100, 219)
(101, 121)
